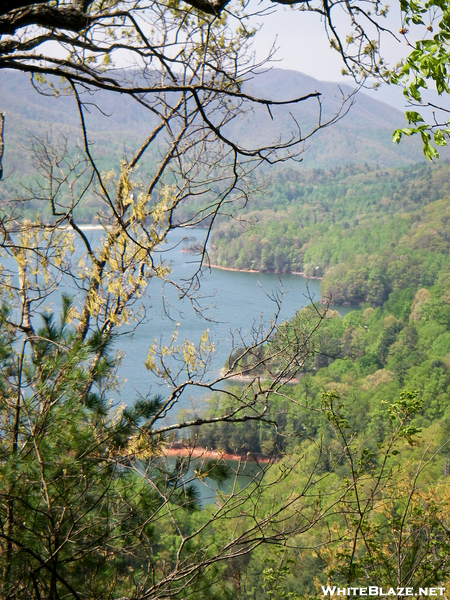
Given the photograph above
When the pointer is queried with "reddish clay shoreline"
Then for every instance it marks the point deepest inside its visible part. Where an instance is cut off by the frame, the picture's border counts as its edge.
(206, 453)
(254, 271)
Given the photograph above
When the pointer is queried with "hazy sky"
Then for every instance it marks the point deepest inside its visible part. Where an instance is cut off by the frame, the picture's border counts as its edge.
(304, 46)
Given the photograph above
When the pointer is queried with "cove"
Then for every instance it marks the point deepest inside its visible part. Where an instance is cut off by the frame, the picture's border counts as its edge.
(232, 301)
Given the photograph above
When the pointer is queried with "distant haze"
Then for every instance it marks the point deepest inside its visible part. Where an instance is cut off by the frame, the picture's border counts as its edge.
(364, 135)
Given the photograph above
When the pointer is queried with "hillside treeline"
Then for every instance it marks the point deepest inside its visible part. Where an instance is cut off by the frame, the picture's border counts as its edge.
(368, 355)
(371, 410)
(366, 231)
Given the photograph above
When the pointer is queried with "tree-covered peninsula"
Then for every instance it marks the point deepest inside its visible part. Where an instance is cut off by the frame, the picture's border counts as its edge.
(365, 231)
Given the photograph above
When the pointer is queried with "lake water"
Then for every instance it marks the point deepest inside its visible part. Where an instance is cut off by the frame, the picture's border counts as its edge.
(232, 301)
(240, 475)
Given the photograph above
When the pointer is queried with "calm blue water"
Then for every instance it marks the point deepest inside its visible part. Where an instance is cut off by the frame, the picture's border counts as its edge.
(231, 302)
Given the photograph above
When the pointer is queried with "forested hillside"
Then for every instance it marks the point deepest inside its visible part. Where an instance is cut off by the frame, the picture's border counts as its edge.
(371, 411)
(363, 135)
(366, 231)
(367, 356)
(366, 421)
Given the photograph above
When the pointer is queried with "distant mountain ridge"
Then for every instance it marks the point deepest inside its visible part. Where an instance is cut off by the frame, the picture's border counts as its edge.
(364, 135)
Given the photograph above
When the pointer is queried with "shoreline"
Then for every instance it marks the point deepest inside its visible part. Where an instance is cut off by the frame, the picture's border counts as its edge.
(301, 273)
(205, 453)
(94, 227)
(249, 378)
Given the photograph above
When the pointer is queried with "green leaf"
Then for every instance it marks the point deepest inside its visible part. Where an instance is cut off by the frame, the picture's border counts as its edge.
(413, 117)
(440, 138)
(397, 136)
(430, 151)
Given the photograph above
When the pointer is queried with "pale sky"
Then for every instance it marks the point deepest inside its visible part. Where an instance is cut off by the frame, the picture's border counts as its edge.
(303, 46)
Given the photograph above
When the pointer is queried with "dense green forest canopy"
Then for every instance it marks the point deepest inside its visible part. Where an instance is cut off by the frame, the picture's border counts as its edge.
(379, 238)
(366, 231)
(341, 412)
(366, 356)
